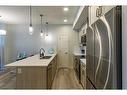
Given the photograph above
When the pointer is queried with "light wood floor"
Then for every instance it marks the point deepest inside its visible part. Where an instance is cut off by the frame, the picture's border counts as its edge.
(66, 79)
(8, 79)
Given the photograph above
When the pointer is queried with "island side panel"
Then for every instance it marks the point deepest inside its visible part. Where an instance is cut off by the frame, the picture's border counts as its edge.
(31, 77)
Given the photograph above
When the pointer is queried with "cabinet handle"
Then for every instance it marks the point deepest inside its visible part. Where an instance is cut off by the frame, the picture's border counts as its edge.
(97, 12)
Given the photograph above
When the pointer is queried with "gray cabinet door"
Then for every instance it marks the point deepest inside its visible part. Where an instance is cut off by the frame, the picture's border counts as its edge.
(49, 76)
(52, 67)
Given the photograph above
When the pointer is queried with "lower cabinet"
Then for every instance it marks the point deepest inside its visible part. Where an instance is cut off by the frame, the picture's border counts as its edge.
(54, 68)
(77, 66)
(49, 76)
(36, 77)
(51, 71)
(31, 78)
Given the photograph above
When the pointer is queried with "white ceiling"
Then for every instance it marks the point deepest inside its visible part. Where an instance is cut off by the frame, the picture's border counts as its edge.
(52, 14)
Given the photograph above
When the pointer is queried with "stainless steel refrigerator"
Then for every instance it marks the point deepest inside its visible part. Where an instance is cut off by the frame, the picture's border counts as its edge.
(103, 52)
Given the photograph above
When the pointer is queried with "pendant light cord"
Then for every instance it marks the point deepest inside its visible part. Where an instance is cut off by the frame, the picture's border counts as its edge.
(47, 28)
(30, 16)
(41, 23)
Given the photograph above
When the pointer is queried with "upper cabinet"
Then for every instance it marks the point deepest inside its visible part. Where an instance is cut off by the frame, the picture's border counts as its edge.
(92, 12)
(105, 9)
(87, 15)
(81, 18)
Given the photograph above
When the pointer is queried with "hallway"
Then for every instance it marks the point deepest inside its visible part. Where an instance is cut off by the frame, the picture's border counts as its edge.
(65, 79)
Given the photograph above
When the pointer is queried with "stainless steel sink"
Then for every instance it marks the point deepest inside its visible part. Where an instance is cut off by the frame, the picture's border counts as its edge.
(46, 57)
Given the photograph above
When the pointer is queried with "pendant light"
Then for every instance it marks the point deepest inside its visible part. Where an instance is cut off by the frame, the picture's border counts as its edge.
(46, 28)
(30, 27)
(42, 33)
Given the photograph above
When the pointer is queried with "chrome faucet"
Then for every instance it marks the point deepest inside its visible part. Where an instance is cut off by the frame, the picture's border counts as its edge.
(42, 51)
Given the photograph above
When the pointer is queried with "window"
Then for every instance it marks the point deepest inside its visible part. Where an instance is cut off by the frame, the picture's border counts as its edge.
(2, 52)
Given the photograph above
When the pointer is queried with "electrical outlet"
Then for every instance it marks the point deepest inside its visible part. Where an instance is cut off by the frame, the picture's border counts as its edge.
(19, 70)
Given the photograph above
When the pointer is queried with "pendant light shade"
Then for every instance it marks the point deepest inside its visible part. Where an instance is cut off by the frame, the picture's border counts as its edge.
(42, 33)
(30, 30)
(30, 26)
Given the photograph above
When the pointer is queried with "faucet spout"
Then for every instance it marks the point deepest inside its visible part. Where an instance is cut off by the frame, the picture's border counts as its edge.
(42, 51)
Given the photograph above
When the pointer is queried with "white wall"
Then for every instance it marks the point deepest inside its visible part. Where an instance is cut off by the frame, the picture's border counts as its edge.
(124, 46)
(8, 46)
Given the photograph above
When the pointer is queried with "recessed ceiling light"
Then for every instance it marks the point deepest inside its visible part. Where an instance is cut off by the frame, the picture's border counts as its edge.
(65, 20)
(66, 9)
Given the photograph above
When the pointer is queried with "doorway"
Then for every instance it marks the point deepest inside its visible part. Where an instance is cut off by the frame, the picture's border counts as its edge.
(63, 49)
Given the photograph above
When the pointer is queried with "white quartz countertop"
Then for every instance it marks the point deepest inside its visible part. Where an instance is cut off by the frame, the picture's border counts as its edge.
(78, 54)
(32, 61)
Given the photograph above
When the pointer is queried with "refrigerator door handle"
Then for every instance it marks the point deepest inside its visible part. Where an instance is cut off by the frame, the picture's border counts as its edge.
(100, 54)
(110, 47)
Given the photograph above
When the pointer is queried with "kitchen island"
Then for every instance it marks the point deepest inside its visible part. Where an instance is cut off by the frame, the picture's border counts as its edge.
(35, 73)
